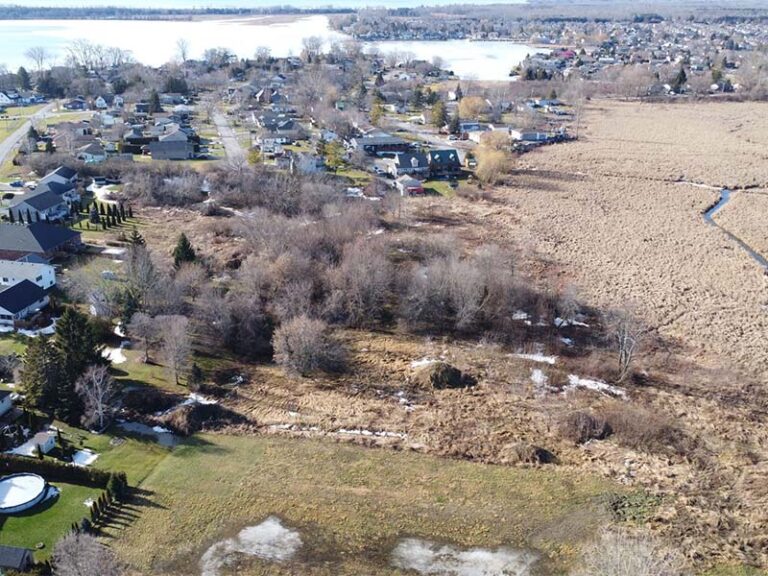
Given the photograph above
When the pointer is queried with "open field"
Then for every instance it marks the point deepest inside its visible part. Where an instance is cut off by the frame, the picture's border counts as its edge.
(745, 216)
(350, 505)
(607, 213)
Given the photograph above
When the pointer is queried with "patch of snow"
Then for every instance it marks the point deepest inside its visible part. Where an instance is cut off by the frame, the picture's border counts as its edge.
(269, 541)
(423, 362)
(372, 433)
(538, 377)
(112, 251)
(84, 457)
(119, 330)
(115, 355)
(161, 430)
(566, 341)
(562, 322)
(537, 358)
(427, 557)
(520, 315)
(190, 400)
(575, 382)
(89, 503)
(6, 329)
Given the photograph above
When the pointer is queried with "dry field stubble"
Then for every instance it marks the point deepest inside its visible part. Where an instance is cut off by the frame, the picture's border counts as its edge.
(746, 216)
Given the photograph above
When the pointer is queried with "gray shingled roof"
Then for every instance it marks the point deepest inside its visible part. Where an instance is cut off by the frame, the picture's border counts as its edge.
(38, 200)
(37, 238)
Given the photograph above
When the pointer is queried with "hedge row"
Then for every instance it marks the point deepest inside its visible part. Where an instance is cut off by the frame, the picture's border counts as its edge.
(53, 471)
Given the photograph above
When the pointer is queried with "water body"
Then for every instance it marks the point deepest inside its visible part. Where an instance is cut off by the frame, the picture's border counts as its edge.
(154, 42)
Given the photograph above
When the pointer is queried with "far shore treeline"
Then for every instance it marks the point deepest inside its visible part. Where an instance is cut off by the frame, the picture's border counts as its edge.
(14, 12)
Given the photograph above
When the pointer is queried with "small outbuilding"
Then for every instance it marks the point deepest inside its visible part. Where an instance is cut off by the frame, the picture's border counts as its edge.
(13, 558)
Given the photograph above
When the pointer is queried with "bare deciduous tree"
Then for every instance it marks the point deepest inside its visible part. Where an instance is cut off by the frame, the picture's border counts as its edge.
(628, 334)
(97, 388)
(182, 49)
(146, 329)
(83, 555)
(176, 344)
(39, 56)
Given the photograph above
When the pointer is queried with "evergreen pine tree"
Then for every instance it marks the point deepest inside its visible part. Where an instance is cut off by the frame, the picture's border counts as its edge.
(11, 219)
(25, 82)
(77, 349)
(130, 212)
(453, 125)
(39, 374)
(183, 252)
(136, 239)
(439, 114)
(122, 211)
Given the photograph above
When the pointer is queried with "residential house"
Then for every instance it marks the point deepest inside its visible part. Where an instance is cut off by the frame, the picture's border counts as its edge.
(92, 153)
(62, 175)
(14, 271)
(6, 405)
(409, 186)
(6, 100)
(302, 163)
(17, 559)
(375, 144)
(38, 205)
(38, 238)
(407, 163)
(78, 103)
(173, 146)
(20, 301)
(444, 163)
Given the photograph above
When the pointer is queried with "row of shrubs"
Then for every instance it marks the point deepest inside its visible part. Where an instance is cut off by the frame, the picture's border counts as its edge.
(54, 471)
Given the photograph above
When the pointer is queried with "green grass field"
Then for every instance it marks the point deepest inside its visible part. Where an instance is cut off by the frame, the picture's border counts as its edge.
(46, 524)
(350, 504)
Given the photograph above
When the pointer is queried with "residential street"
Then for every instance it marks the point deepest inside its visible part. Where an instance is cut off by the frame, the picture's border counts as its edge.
(9, 144)
(228, 137)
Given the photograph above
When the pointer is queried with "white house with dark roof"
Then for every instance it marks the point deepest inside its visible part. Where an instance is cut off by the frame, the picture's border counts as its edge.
(21, 301)
(38, 205)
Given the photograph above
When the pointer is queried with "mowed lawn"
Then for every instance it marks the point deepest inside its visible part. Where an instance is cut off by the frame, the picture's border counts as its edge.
(350, 504)
(47, 523)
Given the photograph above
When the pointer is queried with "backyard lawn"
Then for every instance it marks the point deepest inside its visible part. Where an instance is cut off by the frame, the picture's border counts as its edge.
(46, 524)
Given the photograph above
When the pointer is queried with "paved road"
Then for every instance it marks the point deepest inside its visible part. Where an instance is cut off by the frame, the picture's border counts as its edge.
(8, 145)
(228, 137)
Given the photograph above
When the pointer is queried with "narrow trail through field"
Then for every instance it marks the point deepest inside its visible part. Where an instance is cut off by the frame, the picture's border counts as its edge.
(725, 197)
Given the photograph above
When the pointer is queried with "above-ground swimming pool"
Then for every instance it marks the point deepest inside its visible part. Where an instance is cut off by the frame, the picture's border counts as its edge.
(19, 492)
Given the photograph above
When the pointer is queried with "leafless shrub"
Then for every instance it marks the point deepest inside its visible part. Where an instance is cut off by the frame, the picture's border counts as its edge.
(653, 432)
(619, 554)
(580, 427)
(83, 555)
(145, 329)
(360, 285)
(304, 345)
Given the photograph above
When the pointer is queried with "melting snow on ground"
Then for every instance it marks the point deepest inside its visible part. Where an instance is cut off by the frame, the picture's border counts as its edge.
(270, 541)
(378, 434)
(537, 358)
(190, 400)
(423, 362)
(562, 322)
(115, 355)
(575, 382)
(538, 377)
(429, 558)
(84, 457)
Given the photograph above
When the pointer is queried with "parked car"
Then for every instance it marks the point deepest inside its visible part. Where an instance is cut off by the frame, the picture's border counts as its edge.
(17, 183)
